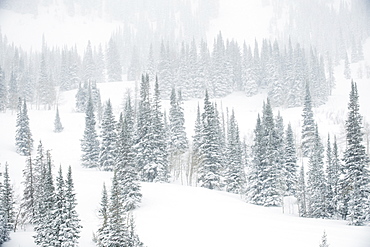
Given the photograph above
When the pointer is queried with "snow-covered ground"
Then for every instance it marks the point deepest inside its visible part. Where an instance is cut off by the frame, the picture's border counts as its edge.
(172, 214)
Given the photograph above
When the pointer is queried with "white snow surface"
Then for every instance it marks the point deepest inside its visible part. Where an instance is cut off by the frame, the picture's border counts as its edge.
(173, 214)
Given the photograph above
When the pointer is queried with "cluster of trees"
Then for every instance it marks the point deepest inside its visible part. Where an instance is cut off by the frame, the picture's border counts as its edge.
(49, 204)
(7, 213)
(229, 67)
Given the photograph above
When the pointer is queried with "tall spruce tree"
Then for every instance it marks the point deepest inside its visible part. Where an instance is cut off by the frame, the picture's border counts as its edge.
(3, 92)
(28, 204)
(58, 127)
(290, 163)
(90, 143)
(210, 168)
(356, 180)
(316, 182)
(8, 200)
(178, 143)
(103, 215)
(308, 126)
(302, 193)
(4, 232)
(127, 174)
(23, 137)
(235, 175)
(107, 154)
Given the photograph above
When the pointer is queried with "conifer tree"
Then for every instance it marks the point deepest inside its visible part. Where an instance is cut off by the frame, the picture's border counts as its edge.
(178, 143)
(308, 126)
(333, 174)
(8, 200)
(254, 184)
(347, 69)
(196, 145)
(316, 183)
(290, 165)
(127, 174)
(89, 143)
(28, 204)
(324, 240)
(57, 123)
(3, 92)
(4, 232)
(114, 69)
(72, 225)
(235, 176)
(210, 168)
(23, 138)
(302, 193)
(44, 220)
(356, 179)
(133, 238)
(103, 214)
(108, 135)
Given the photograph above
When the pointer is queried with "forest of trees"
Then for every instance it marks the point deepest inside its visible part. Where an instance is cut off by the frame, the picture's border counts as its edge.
(145, 143)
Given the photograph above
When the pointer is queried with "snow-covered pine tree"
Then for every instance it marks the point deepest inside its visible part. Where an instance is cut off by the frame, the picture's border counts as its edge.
(133, 239)
(13, 92)
(308, 126)
(356, 180)
(56, 228)
(45, 91)
(210, 168)
(28, 200)
(81, 96)
(316, 182)
(178, 143)
(143, 154)
(254, 182)
(103, 215)
(347, 68)
(38, 174)
(23, 137)
(324, 240)
(281, 169)
(333, 175)
(88, 65)
(4, 232)
(290, 163)
(90, 143)
(58, 127)
(71, 227)
(116, 230)
(114, 69)
(3, 92)
(109, 137)
(234, 174)
(158, 169)
(43, 222)
(196, 146)
(269, 173)
(126, 171)
(8, 200)
(302, 193)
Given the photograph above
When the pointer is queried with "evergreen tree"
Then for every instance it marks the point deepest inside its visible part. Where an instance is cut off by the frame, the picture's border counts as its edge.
(210, 168)
(114, 69)
(23, 138)
(333, 174)
(71, 227)
(196, 145)
(302, 193)
(290, 165)
(3, 92)
(89, 143)
(316, 183)
(157, 170)
(324, 241)
(8, 201)
(235, 176)
(57, 124)
(13, 92)
(178, 143)
(4, 232)
(45, 235)
(356, 179)
(88, 64)
(133, 238)
(308, 127)
(126, 171)
(347, 69)
(108, 134)
(103, 214)
(254, 184)
(116, 231)
(28, 204)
